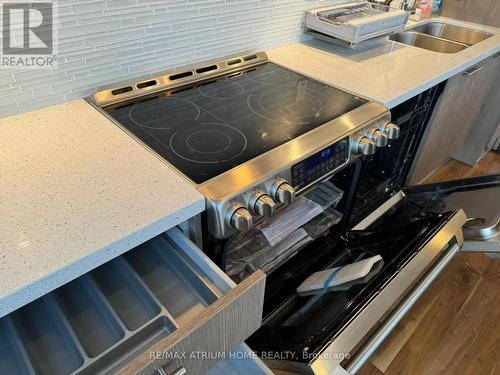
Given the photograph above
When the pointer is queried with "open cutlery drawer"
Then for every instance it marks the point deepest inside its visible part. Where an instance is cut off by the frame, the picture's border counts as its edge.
(160, 307)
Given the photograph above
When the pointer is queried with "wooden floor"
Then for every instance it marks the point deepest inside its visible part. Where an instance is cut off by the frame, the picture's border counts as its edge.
(454, 170)
(455, 327)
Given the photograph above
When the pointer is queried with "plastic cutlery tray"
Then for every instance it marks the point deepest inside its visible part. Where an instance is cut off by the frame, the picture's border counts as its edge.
(101, 320)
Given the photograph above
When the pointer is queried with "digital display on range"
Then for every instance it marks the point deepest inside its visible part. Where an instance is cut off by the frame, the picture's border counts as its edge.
(320, 164)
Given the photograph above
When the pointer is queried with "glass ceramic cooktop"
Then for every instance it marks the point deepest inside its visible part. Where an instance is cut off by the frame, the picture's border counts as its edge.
(209, 129)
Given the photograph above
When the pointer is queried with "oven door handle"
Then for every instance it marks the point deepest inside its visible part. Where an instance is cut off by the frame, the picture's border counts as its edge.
(366, 351)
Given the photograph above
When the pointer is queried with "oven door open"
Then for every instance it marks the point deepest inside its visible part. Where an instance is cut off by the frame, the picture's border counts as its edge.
(416, 232)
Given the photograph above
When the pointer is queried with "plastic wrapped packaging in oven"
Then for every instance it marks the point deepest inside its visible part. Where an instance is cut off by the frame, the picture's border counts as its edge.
(326, 195)
(250, 251)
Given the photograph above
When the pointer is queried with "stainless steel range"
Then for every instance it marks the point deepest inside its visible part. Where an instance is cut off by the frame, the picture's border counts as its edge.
(249, 134)
(259, 140)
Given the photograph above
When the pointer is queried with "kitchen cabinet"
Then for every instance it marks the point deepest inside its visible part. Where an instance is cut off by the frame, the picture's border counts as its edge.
(455, 116)
(484, 135)
(144, 312)
(485, 12)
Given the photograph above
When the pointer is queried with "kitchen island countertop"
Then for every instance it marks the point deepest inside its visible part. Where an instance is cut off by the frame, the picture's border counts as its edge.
(387, 72)
(75, 192)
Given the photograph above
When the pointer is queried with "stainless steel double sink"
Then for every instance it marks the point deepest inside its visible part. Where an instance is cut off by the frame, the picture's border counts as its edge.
(440, 37)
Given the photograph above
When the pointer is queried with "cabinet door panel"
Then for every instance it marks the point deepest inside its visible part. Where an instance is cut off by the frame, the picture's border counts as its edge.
(485, 12)
(454, 117)
(482, 137)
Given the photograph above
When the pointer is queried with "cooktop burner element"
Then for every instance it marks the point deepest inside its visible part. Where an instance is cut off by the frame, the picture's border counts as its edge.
(161, 114)
(211, 128)
(213, 143)
(225, 90)
(277, 105)
(269, 76)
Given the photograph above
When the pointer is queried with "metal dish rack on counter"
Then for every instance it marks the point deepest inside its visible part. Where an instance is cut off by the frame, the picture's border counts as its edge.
(352, 23)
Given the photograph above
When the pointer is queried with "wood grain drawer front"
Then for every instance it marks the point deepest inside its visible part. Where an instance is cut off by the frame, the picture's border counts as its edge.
(199, 341)
(221, 328)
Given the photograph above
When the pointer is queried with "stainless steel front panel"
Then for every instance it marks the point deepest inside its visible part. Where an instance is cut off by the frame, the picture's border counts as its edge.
(233, 188)
(373, 343)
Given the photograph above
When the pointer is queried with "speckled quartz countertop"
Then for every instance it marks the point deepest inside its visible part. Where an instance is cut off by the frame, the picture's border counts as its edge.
(75, 192)
(387, 72)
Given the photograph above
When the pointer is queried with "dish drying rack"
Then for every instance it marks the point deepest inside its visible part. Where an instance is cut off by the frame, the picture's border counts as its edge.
(351, 23)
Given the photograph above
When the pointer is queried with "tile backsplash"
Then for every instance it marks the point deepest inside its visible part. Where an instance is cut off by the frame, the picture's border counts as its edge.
(104, 42)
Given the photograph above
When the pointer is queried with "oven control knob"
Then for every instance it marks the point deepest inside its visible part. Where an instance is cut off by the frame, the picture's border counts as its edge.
(391, 130)
(283, 192)
(241, 220)
(378, 136)
(262, 204)
(363, 145)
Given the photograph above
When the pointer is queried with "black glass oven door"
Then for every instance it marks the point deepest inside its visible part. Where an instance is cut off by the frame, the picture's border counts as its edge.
(480, 199)
(416, 232)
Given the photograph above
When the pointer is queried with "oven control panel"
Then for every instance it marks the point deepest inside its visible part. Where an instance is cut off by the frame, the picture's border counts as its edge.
(320, 164)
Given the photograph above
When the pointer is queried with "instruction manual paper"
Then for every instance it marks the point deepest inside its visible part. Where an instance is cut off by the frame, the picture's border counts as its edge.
(292, 217)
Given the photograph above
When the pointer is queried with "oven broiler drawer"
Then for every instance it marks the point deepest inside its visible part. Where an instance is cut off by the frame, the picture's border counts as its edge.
(358, 311)
(164, 297)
